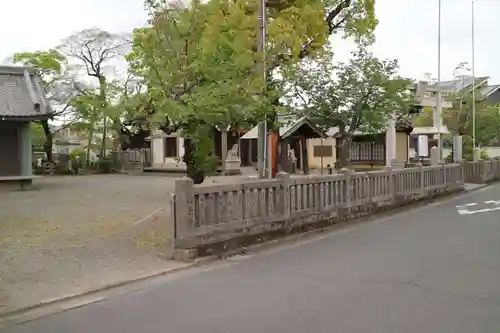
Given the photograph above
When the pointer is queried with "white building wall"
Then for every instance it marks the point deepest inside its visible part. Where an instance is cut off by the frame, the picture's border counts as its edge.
(157, 150)
(158, 153)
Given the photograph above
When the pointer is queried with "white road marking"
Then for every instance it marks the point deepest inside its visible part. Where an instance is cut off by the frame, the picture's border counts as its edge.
(467, 205)
(494, 202)
(484, 210)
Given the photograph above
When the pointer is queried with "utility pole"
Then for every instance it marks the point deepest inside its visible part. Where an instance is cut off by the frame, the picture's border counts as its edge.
(437, 122)
(262, 162)
(473, 32)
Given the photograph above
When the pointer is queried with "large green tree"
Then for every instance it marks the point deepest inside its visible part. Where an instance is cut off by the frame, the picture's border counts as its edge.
(362, 94)
(200, 63)
(200, 71)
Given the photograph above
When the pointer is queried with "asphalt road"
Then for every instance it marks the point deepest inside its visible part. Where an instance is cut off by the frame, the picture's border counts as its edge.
(426, 270)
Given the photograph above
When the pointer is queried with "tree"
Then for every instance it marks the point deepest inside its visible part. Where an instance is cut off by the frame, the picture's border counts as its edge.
(60, 88)
(318, 20)
(200, 71)
(360, 95)
(97, 52)
(129, 108)
(37, 137)
(458, 119)
(89, 108)
(200, 62)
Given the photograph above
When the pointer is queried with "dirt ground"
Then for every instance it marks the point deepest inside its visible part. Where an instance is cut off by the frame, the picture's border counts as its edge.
(73, 234)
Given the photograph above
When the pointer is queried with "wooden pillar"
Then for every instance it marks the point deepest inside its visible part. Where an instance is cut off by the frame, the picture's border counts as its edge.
(301, 155)
(249, 151)
(304, 153)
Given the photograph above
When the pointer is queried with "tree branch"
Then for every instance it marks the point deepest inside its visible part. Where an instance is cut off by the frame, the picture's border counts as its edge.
(332, 26)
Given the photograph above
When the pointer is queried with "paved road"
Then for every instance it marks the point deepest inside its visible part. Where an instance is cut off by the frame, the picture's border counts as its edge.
(426, 270)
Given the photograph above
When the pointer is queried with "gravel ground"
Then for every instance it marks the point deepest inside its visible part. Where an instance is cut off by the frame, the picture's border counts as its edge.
(73, 234)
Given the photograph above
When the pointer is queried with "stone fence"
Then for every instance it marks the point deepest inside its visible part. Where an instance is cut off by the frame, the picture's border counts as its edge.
(131, 160)
(210, 214)
(482, 171)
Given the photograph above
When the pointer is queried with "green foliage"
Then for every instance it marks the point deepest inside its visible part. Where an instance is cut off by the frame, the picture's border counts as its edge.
(424, 119)
(200, 70)
(77, 153)
(458, 119)
(360, 95)
(47, 63)
(201, 67)
(37, 136)
(468, 152)
(51, 67)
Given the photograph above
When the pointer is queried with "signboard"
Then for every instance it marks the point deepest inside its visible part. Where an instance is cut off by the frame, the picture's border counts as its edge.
(423, 146)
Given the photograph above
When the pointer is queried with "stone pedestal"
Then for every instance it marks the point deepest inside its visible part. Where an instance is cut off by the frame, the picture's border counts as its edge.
(233, 162)
(435, 156)
(457, 149)
(477, 154)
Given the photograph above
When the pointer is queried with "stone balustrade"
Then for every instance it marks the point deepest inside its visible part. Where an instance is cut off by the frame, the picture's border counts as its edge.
(209, 214)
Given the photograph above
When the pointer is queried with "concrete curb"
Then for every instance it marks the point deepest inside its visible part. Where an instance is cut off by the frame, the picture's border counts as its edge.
(16, 316)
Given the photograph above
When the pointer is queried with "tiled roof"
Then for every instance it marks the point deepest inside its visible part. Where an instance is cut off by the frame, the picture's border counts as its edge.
(488, 90)
(21, 94)
(455, 86)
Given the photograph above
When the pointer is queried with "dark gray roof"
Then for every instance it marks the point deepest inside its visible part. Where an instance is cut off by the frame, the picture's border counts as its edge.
(21, 94)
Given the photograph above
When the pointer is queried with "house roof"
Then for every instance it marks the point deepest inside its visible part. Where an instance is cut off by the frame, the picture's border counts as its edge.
(426, 130)
(402, 125)
(488, 90)
(455, 86)
(21, 95)
(288, 126)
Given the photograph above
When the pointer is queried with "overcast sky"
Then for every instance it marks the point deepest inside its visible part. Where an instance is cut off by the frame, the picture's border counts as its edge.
(407, 30)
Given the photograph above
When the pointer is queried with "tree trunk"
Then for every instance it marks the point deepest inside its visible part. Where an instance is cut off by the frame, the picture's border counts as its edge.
(89, 147)
(49, 140)
(102, 96)
(193, 170)
(343, 160)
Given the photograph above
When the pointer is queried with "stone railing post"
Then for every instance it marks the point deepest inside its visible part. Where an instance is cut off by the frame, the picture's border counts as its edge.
(347, 186)
(483, 175)
(422, 180)
(391, 184)
(462, 170)
(443, 170)
(184, 208)
(497, 169)
(284, 178)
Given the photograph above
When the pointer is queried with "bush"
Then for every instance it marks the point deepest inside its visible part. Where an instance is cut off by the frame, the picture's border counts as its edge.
(81, 154)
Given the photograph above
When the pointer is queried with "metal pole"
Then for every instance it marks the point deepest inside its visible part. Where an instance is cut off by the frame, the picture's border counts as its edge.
(473, 83)
(262, 127)
(438, 109)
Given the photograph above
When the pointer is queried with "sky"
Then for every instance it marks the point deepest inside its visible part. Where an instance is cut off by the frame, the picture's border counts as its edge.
(407, 31)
